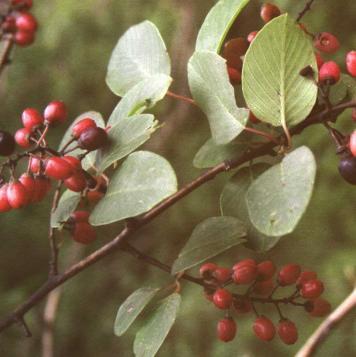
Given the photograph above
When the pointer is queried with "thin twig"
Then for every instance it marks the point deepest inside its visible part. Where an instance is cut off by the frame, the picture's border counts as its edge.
(307, 7)
(181, 97)
(323, 331)
(57, 280)
(8, 44)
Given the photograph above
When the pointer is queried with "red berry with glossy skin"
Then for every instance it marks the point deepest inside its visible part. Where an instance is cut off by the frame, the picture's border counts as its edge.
(77, 182)
(312, 289)
(35, 165)
(263, 287)
(42, 187)
(55, 113)
(289, 274)
(264, 328)
(22, 137)
(326, 42)
(83, 233)
(80, 216)
(222, 299)
(234, 76)
(93, 138)
(73, 161)
(245, 274)
(318, 307)
(31, 118)
(207, 269)
(57, 168)
(329, 72)
(351, 63)
(94, 196)
(7, 143)
(319, 60)
(222, 275)
(242, 305)
(235, 47)
(269, 12)
(352, 143)
(251, 36)
(245, 262)
(226, 329)
(81, 126)
(287, 332)
(24, 38)
(266, 270)
(26, 22)
(17, 195)
(4, 202)
(306, 276)
(30, 185)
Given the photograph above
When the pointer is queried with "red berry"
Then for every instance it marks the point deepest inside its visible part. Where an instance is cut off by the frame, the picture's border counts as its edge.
(93, 138)
(22, 137)
(353, 143)
(264, 287)
(42, 186)
(29, 183)
(245, 274)
(318, 307)
(26, 22)
(207, 269)
(289, 274)
(242, 305)
(35, 164)
(319, 60)
(57, 168)
(80, 216)
(244, 262)
(31, 118)
(76, 182)
(226, 329)
(306, 276)
(288, 332)
(351, 63)
(4, 202)
(234, 76)
(94, 196)
(312, 289)
(326, 42)
(264, 328)
(9, 25)
(222, 275)
(269, 12)
(24, 38)
(7, 143)
(55, 112)
(73, 161)
(222, 299)
(81, 126)
(251, 36)
(235, 47)
(83, 233)
(17, 195)
(266, 270)
(329, 72)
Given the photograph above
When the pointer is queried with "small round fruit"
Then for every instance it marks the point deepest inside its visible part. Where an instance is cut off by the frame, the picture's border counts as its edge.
(7, 143)
(73, 161)
(269, 12)
(80, 216)
(329, 73)
(234, 76)
(76, 182)
(263, 287)
(312, 289)
(222, 299)
(226, 329)
(55, 112)
(207, 269)
(26, 22)
(264, 328)
(29, 183)
(318, 307)
(17, 195)
(306, 276)
(244, 262)
(83, 233)
(24, 38)
(94, 196)
(4, 202)
(22, 137)
(289, 274)
(242, 305)
(31, 118)
(235, 47)
(42, 187)
(352, 143)
(35, 164)
(93, 138)
(81, 126)
(9, 25)
(245, 274)
(251, 36)
(287, 332)
(347, 169)
(57, 168)
(351, 63)
(326, 42)
(266, 270)
(222, 275)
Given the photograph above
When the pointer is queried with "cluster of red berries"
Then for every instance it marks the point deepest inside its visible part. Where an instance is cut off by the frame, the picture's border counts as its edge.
(81, 230)
(261, 285)
(19, 23)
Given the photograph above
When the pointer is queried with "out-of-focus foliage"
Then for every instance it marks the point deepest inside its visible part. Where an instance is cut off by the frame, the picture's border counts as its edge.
(69, 62)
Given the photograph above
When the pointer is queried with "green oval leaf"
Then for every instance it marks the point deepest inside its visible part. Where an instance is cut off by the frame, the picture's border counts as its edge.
(272, 86)
(143, 180)
(277, 199)
(210, 238)
(139, 54)
(217, 24)
(233, 203)
(141, 97)
(66, 205)
(156, 328)
(131, 308)
(212, 91)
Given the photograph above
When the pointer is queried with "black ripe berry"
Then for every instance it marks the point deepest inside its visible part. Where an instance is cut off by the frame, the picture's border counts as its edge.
(7, 143)
(347, 169)
(92, 138)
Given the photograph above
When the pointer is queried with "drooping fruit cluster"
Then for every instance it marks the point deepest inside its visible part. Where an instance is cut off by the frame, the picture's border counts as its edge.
(81, 230)
(19, 24)
(261, 280)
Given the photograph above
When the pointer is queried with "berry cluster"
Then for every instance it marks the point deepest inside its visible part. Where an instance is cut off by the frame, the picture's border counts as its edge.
(261, 286)
(19, 23)
(46, 164)
(81, 231)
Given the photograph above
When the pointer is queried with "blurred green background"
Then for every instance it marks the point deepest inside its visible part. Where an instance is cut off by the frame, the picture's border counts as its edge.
(68, 62)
